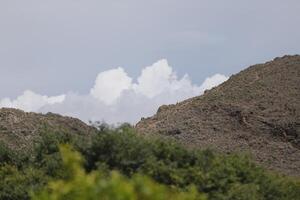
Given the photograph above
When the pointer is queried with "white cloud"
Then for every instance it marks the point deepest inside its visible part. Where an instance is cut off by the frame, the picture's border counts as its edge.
(116, 98)
(213, 81)
(160, 78)
(110, 84)
(155, 79)
(30, 101)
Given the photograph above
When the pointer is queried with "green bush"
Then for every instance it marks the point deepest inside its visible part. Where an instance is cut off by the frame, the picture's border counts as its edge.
(118, 156)
(46, 154)
(94, 186)
(15, 184)
(218, 176)
(8, 156)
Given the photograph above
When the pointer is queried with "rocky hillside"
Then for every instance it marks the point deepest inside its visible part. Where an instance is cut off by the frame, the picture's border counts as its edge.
(256, 110)
(19, 129)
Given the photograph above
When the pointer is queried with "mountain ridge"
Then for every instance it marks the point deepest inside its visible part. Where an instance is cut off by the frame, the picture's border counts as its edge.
(256, 110)
(19, 129)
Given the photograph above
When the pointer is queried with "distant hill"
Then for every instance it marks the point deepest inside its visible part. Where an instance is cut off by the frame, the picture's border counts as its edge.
(256, 110)
(19, 129)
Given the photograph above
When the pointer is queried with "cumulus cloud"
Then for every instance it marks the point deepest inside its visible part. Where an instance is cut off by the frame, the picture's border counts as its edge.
(160, 78)
(116, 98)
(110, 84)
(155, 79)
(30, 101)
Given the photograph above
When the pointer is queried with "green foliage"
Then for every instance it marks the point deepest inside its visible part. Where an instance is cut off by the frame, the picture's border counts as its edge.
(46, 154)
(218, 176)
(8, 156)
(5, 154)
(15, 184)
(116, 159)
(95, 186)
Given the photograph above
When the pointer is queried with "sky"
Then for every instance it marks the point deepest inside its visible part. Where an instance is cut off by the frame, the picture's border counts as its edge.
(118, 60)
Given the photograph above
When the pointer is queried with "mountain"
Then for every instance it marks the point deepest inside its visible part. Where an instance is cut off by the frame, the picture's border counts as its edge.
(19, 129)
(255, 111)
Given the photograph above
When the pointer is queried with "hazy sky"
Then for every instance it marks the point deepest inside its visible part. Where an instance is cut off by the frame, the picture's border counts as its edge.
(56, 46)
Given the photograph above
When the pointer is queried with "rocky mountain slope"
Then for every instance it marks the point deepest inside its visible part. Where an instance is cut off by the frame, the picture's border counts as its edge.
(19, 129)
(256, 110)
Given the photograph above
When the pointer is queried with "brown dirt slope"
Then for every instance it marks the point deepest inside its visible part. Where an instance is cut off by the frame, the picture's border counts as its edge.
(19, 129)
(256, 110)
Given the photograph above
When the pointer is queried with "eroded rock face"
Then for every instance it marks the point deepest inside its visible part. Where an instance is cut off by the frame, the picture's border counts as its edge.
(256, 110)
(19, 129)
